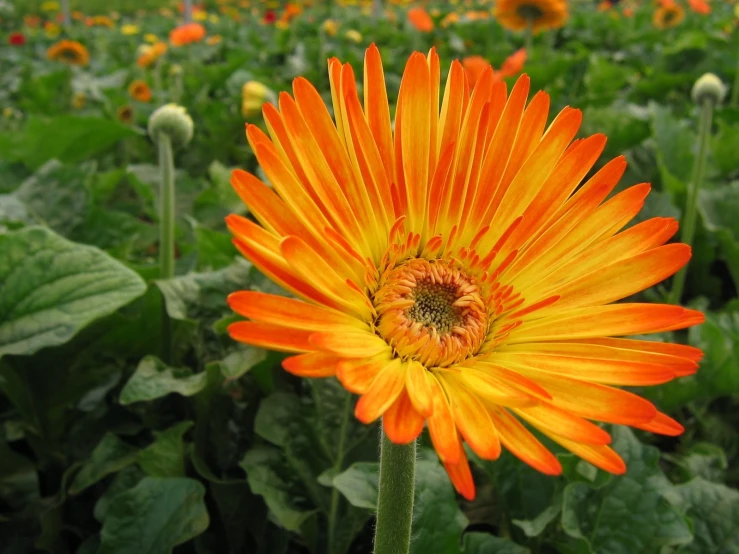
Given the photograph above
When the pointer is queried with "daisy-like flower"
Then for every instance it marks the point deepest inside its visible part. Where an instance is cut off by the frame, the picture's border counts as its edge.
(668, 15)
(139, 90)
(455, 270)
(421, 20)
(70, 52)
(187, 33)
(517, 15)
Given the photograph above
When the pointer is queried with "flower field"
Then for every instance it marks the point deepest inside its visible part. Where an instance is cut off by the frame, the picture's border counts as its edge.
(344, 276)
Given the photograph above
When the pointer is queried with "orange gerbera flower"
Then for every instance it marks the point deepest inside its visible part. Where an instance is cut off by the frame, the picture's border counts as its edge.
(421, 20)
(513, 64)
(454, 271)
(187, 34)
(666, 16)
(70, 52)
(700, 6)
(139, 90)
(150, 54)
(517, 15)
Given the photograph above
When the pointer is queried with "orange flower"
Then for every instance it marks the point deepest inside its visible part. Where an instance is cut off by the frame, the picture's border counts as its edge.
(513, 65)
(70, 52)
(474, 66)
(139, 91)
(667, 16)
(150, 54)
(628, 12)
(124, 114)
(420, 19)
(517, 15)
(187, 34)
(700, 6)
(457, 273)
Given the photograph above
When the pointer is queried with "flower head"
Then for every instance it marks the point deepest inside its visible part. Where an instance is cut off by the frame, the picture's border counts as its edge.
(540, 14)
(700, 6)
(70, 52)
(125, 114)
(330, 27)
(253, 95)
(148, 54)
(187, 34)
(354, 36)
(139, 91)
(174, 121)
(454, 270)
(269, 17)
(513, 64)
(420, 19)
(129, 29)
(16, 39)
(708, 87)
(668, 15)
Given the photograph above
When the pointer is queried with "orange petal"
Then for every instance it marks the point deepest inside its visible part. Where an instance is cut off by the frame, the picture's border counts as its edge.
(461, 477)
(272, 337)
(546, 417)
(522, 444)
(384, 390)
(313, 364)
(419, 389)
(357, 375)
(349, 344)
(442, 429)
(472, 419)
(401, 422)
(662, 424)
(600, 456)
(280, 310)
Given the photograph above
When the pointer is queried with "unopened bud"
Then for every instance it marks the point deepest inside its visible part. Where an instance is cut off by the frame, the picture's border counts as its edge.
(253, 95)
(174, 121)
(708, 87)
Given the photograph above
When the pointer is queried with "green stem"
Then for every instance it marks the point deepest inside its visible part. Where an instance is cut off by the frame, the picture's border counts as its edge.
(529, 37)
(696, 181)
(166, 233)
(395, 497)
(735, 88)
(333, 513)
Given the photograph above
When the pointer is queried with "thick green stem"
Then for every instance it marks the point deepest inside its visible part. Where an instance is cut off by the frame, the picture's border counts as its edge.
(395, 497)
(334, 510)
(529, 37)
(735, 87)
(696, 181)
(166, 232)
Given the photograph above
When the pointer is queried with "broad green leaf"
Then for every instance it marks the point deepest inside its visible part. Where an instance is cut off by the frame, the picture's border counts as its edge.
(240, 361)
(51, 288)
(630, 513)
(154, 517)
(153, 379)
(714, 511)
(13, 213)
(625, 125)
(124, 480)
(270, 477)
(436, 515)
(482, 543)
(215, 250)
(79, 138)
(56, 195)
(675, 142)
(19, 482)
(110, 455)
(165, 457)
(718, 209)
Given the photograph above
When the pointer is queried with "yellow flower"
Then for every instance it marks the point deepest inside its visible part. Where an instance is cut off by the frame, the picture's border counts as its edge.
(130, 29)
(330, 27)
(353, 35)
(253, 95)
(282, 24)
(78, 100)
(213, 40)
(52, 30)
(151, 38)
(50, 6)
(668, 15)
(213, 18)
(125, 115)
(452, 292)
(200, 15)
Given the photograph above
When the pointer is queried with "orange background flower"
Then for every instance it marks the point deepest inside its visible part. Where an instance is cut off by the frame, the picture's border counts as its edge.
(187, 34)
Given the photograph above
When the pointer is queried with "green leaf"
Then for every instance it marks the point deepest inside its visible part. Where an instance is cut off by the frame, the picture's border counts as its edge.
(56, 195)
(51, 288)
(435, 511)
(675, 142)
(80, 138)
(19, 482)
(110, 455)
(714, 510)
(154, 379)
(154, 517)
(269, 476)
(482, 543)
(240, 361)
(718, 209)
(13, 213)
(630, 513)
(165, 457)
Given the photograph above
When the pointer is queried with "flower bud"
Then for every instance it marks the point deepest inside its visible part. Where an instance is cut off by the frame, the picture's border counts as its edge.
(708, 87)
(253, 95)
(330, 27)
(174, 121)
(353, 35)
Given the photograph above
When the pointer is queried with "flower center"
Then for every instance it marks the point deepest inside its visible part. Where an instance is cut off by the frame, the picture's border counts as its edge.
(431, 311)
(530, 12)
